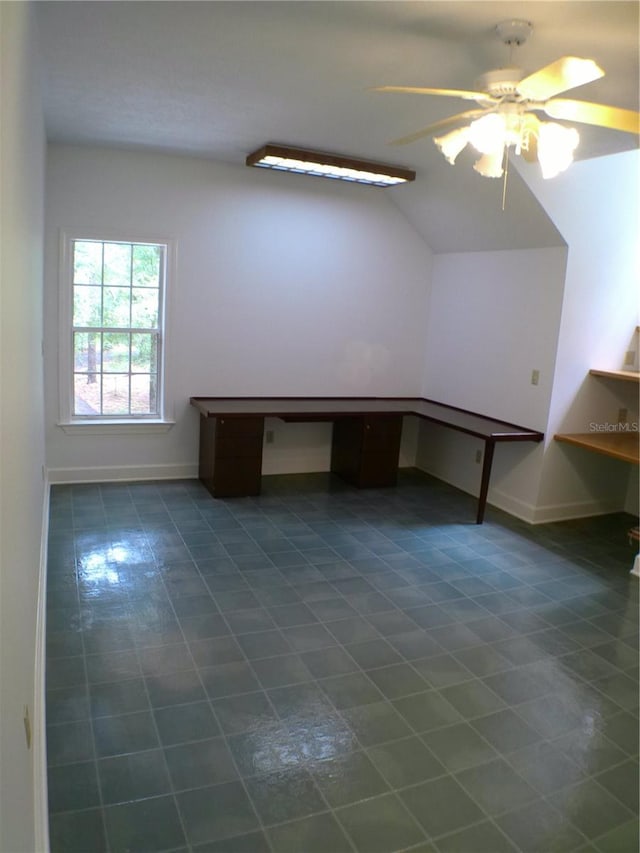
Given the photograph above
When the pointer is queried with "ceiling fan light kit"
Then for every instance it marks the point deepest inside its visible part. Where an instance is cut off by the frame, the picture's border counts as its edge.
(505, 117)
(492, 135)
(302, 161)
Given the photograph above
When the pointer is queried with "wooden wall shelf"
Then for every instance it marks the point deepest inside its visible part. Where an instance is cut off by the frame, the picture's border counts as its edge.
(625, 375)
(618, 445)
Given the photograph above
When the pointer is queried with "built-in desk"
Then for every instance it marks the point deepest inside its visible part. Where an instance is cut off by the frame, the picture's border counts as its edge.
(365, 443)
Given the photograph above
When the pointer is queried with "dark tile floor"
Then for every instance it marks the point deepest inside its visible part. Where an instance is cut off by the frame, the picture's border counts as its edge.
(326, 669)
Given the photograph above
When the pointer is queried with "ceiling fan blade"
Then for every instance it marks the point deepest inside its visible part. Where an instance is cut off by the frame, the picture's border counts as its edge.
(438, 125)
(598, 114)
(449, 93)
(565, 73)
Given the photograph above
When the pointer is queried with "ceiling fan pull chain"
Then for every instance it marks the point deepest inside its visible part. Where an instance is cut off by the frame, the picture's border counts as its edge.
(506, 174)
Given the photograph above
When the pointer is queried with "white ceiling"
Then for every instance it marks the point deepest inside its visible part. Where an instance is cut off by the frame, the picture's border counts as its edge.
(219, 79)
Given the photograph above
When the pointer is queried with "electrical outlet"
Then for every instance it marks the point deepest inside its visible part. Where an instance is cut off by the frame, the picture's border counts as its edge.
(269, 436)
(478, 457)
(623, 414)
(27, 726)
(630, 358)
(535, 377)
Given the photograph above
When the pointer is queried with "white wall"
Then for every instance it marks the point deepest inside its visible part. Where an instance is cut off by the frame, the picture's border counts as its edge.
(285, 285)
(22, 493)
(493, 318)
(595, 206)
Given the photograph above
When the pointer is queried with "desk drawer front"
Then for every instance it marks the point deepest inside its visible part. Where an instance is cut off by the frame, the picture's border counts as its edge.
(382, 434)
(230, 446)
(251, 426)
(237, 477)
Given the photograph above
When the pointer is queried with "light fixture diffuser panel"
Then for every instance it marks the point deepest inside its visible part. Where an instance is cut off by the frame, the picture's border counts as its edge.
(333, 166)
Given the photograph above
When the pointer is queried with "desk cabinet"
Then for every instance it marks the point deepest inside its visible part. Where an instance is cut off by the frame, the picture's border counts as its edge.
(231, 455)
(365, 450)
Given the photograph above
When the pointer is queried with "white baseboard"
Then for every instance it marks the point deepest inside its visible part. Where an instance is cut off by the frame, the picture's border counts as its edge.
(545, 514)
(539, 514)
(511, 505)
(113, 473)
(579, 509)
(41, 798)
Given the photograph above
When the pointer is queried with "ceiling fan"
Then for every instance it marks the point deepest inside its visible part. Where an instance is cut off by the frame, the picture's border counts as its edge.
(504, 116)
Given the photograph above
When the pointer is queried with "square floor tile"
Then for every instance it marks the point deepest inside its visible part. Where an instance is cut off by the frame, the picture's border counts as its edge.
(553, 716)
(216, 812)
(348, 778)
(228, 679)
(426, 711)
(380, 825)
(307, 638)
(484, 837)
(264, 644)
(591, 808)
(505, 730)
(405, 762)
(133, 777)
(539, 828)
(73, 787)
(376, 723)
(281, 671)
(205, 762)
(124, 733)
(183, 723)
(373, 653)
(151, 824)
(252, 842)
(459, 747)
(265, 750)
(69, 743)
(346, 691)
(77, 832)
(472, 699)
(415, 644)
(545, 767)
(398, 680)
(244, 712)
(315, 834)
(442, 670)
(482, 660)
(180, 688)
(441, 806)
(589, 749)
(300, 702)
(496, 786)
(330, 661)
(622, 782)
(625, 837)
(353, 630)
(285, 795)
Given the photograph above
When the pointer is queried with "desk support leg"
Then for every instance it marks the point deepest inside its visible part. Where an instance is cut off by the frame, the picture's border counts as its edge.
(489, 446)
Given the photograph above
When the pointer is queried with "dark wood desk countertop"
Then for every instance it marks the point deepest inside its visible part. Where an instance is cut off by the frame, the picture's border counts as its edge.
(311, 409)
(331, 408)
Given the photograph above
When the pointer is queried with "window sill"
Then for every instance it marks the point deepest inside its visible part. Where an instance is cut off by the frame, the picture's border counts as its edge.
(98, 427)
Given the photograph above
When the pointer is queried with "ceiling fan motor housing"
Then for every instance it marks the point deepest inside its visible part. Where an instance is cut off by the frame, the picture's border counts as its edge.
(501, 82)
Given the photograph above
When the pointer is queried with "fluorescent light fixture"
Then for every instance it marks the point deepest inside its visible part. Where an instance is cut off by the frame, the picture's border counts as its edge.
(334, 166)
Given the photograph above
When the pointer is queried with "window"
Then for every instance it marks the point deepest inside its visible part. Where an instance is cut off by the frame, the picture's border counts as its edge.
(117, 302)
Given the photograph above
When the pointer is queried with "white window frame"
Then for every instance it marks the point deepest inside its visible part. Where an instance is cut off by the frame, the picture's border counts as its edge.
(106, 424)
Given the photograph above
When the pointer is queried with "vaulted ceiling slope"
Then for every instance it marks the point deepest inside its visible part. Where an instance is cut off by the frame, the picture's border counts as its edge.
(219, 79)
